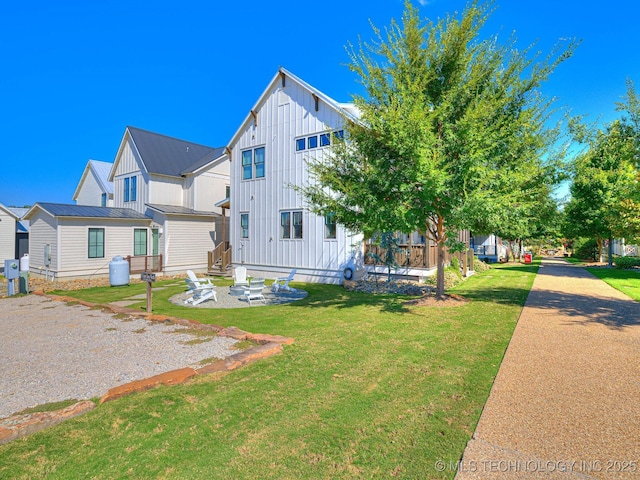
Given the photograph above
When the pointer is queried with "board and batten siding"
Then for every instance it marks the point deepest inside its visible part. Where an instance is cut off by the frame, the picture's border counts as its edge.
(186, 243)
(164, 190)
(7, 237)
(90, 193)
(207, 189)
(129, 165)
(42, 231)
(285, 115)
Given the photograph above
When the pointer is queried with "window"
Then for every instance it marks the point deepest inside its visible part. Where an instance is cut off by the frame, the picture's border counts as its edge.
(251, 158)
(301, 143)
(140, 241)
(246, 164)
(96, 243)
(291, 224)
(330, 225)
(285, 225)
(313, 141)
(227, 191)
(130, 189)
(297, 224)
(259, 161)
(325, 139)
(244, 225)
(134, 188)
(339, 134)
(103, 200)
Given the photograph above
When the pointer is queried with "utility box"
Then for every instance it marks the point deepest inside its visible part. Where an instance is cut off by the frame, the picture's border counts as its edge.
(11, 272)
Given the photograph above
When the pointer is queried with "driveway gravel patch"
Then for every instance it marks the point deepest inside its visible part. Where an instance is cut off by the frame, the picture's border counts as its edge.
(52, 351)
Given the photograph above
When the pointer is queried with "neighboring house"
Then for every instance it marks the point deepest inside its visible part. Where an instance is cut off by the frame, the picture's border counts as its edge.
(94, 187)
(165, 190)
(22, 231)
(489, 248)
(177, 184)
(8, 222)
(623, 249)
(271, 230)
(80, 240)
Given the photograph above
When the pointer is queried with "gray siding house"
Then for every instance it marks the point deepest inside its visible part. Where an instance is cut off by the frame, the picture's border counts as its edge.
(164, 195)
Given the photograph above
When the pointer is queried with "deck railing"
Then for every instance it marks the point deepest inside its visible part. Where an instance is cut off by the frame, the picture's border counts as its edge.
(144, 263)
(220, 256)
(412, 256)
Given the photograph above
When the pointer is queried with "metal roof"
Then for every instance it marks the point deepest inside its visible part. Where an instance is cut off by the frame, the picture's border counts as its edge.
(170, 156)
(87, 211)
(102, 170)
(175, 210)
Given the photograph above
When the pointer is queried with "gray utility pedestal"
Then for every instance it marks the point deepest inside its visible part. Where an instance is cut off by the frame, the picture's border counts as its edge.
(11, 272)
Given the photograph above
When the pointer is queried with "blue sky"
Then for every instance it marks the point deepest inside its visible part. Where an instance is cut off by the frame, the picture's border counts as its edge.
(73, 74)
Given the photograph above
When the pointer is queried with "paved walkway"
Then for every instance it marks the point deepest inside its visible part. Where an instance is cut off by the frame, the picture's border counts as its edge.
(566, 400)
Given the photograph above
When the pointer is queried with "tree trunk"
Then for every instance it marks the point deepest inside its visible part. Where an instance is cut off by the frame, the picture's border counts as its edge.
(599, 246)
(441, 237)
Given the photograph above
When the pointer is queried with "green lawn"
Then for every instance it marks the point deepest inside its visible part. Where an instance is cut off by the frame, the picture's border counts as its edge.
(371, 388)
(627, 281)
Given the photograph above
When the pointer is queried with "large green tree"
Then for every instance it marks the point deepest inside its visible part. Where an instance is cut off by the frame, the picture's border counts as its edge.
(604, 193)
(451, 131)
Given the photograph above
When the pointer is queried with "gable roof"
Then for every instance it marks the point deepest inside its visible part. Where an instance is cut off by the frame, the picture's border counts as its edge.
(164, 155)
(9, 212)
(86, 211)
(101, 172)
(349, 110)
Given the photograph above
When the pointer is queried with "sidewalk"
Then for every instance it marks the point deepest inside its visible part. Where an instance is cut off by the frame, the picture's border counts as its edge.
(566, 400)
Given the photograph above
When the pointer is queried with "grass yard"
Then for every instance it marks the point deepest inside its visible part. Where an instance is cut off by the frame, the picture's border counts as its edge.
(371, 389)
(627, 281)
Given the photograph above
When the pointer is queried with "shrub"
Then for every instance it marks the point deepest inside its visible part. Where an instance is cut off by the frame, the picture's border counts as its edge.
(585, 249)
(626, 262)
(451, 278)
(479, 265)
(455, 263)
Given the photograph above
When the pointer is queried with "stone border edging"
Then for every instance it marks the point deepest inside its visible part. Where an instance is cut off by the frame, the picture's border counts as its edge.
(16, 426)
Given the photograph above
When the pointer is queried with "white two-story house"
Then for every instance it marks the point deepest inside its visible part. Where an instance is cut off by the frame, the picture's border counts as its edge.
(272, 231)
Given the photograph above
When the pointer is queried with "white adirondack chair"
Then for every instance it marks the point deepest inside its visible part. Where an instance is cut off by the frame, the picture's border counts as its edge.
(198, 281)
(254, 291)
(200, 289)
(240, 277)
(282, 283)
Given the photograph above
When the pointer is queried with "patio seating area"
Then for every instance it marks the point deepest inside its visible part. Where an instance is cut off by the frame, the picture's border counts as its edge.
(234, 297)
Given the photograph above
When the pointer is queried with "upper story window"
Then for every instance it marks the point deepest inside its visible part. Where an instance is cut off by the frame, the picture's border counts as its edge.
(253, 163)
(227, 191)
(130, 189)
(103, 200)
(291, 224)
(311, 141)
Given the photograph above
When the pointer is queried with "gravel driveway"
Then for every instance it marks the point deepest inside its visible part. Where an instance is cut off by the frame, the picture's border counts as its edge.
(51, 351)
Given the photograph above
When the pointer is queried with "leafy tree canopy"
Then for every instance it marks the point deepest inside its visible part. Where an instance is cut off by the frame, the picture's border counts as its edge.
(451, 133)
